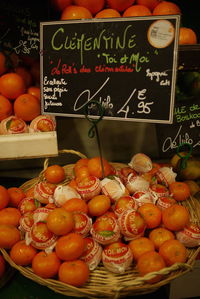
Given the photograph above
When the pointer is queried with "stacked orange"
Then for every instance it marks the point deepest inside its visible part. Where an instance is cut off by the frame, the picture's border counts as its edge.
(53, 236)
(87, 9)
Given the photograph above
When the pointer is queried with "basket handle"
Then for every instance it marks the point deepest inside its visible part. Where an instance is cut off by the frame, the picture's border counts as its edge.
(64, 151)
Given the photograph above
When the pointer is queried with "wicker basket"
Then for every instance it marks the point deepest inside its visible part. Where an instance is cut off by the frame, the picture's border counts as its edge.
(103, 283)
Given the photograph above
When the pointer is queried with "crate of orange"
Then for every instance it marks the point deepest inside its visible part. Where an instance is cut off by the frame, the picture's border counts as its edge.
(87, 237)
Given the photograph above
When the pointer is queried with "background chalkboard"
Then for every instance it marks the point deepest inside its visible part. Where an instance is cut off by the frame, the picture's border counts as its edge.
(19, 26)
(83, 61)
(185, 128)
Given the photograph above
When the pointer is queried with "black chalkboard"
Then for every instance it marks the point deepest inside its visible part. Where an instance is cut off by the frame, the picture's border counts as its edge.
(185, 129)
(19, 26)
(126, 64)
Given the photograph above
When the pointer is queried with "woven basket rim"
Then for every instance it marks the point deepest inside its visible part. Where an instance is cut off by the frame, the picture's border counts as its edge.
(101, 279)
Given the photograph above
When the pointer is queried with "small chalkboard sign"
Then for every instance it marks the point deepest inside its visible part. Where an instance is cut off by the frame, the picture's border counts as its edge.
(185, 129)
(126, 64)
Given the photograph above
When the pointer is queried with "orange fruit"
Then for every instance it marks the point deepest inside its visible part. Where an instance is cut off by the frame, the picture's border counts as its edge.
(173, 251)
(60, 4)
(95, 167)
(81, 173)
(137, 11)
(30, 192)
(99, 205)
(151, 4)
(149, 262)
(120, 5)
(10, 216)
(5, 107)
(59, 221)
(3, 67)
(176, 217)
(75, 12)
(151, 214)
(76, 205)
(34, 91)
(166, 8)
(179, 191)
(2, 266)
(141, 245)
(22, 254)
(81, 162)
(91, 5)
(25, 74)
(12, 85)
(54, 174)
(16, 195)
(74, 273)
(46, 265)
(70, 246)
(187, 36)
(9, 235)
(108, 13)
(4, 197)
(159, 235)
(26, 107)
(73, 183)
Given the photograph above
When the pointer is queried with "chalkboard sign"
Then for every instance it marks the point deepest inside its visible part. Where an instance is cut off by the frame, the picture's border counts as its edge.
(19, 26)
(185, 128)
(126, 64)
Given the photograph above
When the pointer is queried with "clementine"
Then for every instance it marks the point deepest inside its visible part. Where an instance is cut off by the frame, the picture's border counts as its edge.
(11, 85)
(99, 205)
(120, 5)
(5, 107)
(95, 167)
(25, 74)
(54, 174)
(74, 272)
(46, 265)
(151, 4)
(10, 216)
(75, 12)
(187, 36)
(4, 197)
(2, 266)
(159, 235)
(173, 251)
(166, 8)
(16, 195)
(76, 205)
(60, 221)
(151, 214)
(176, 217)
(179, 190)
(22, 254)
(9, 235)
(137, 11)
(70, 246)
(34, 91)
(108, 13)
(91, 5)
(140, 245)
(26, 107)
(3, 67)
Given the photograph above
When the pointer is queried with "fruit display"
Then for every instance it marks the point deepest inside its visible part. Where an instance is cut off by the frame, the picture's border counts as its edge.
(20, 107)
(68, 224)
(87, 9)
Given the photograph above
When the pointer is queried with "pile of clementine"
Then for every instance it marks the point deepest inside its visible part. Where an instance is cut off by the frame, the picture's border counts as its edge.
(52, 237)
(19, 94)
(87, 9)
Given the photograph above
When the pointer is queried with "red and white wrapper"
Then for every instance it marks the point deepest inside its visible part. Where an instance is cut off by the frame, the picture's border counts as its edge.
(131, 224)
(63, 193)
(136, 183)
(28, 204)
(41, 214)
(89, 187)
(113, 188)
(42, 239)
(42, 123)
(26, 221)
(158, 190)
(43, 192)
(165, 175)
(105, 230)
(117, 257)
(83, 223)
(141, 163)
(13, 125)
(189, 236)
(92, 253)
(165, 202)
(124, 203)
(124, 172)
(142, 197)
